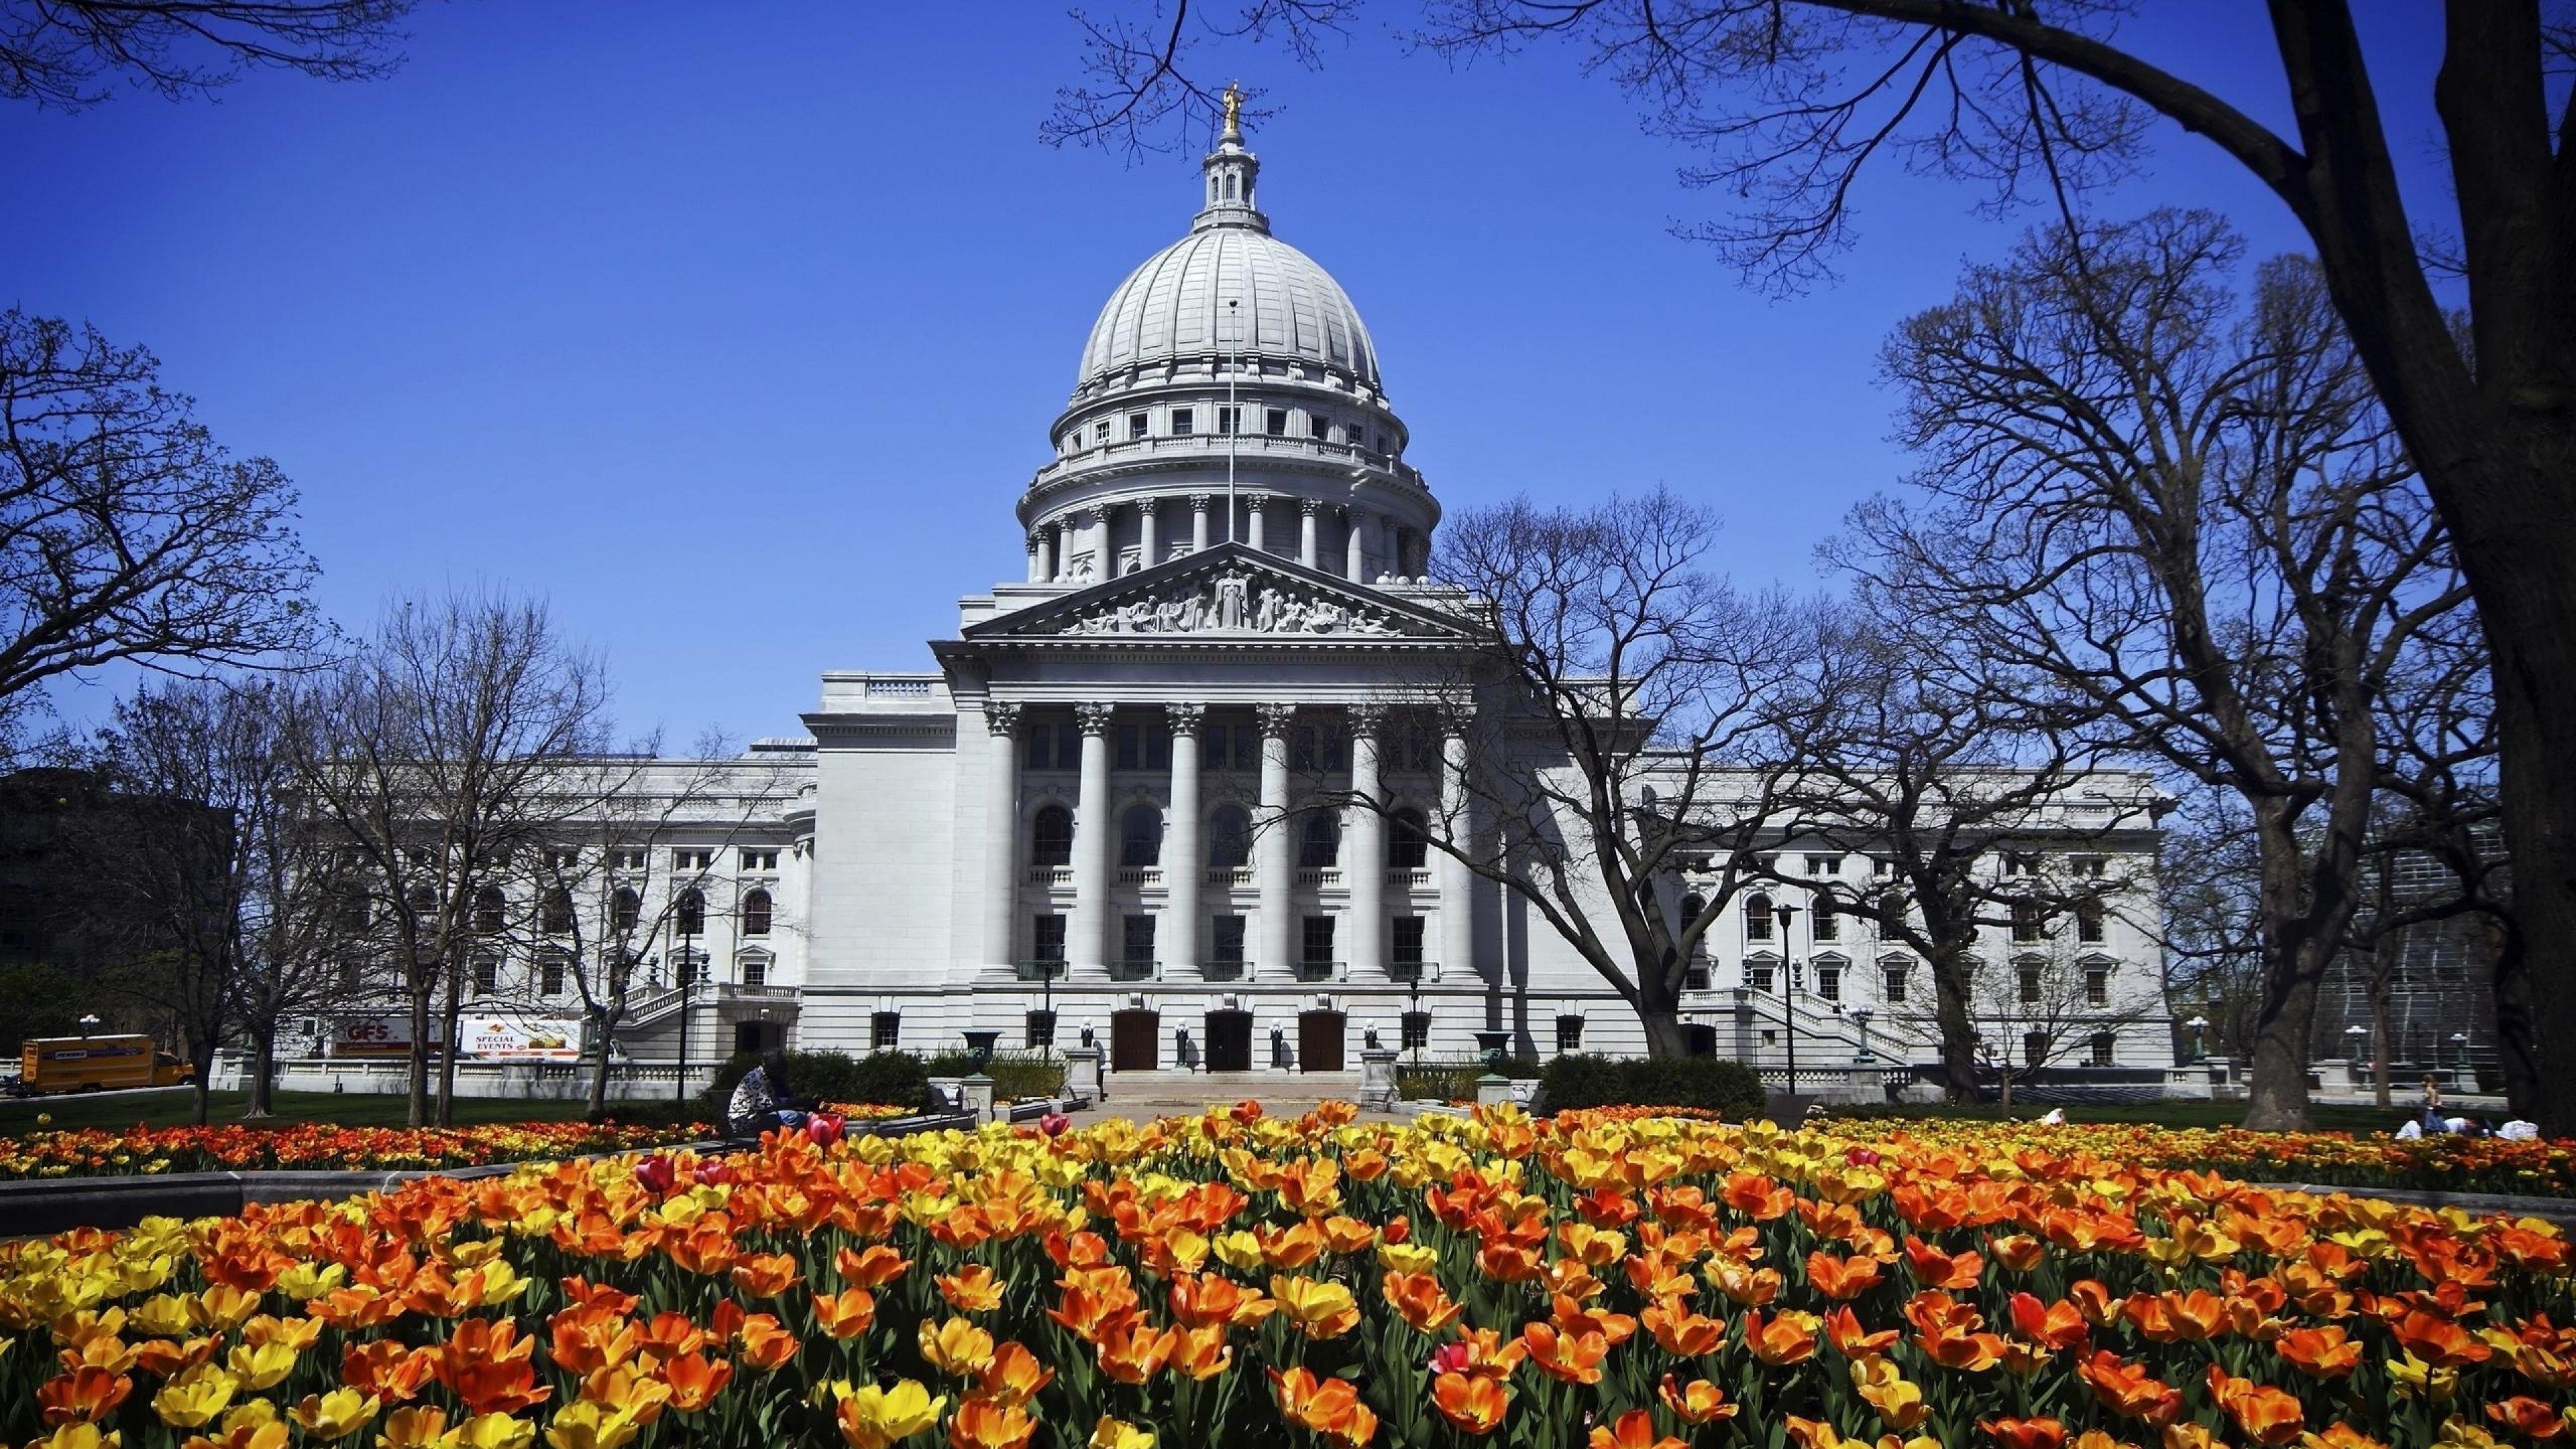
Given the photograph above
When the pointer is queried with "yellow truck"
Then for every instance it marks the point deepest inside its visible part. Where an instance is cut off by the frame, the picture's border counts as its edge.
(96, 1064)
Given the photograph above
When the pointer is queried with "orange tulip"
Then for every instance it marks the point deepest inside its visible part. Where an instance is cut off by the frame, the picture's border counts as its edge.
(1840, 1278)
(990, 1424)
(1682, 1333)
(2021, 1252)
(695, 1382)
(586, 1340)
(1697, 1402)
(486, 1365)
(766, 1344)
(845, 1314)
(2025, 1433)
(956, 1347)
(1843, 1330)
(1135, 1350)
(972, 1289)
(871, 1267)
(1572, 1358)
(1634, 1430)
(671, 1334)
(1509, 1262)
(765, 1275)
(1787, 1339)
(1475, 1405)
(83, 1396)
(1418, 1299)
(2126, 1389)
(1330, 1407)
(2529, 1417)
(2320, 1353)
(2056, 1325)
(1201, 1353)
(387, 1369)
(1014, 1376)
(1936, 1269)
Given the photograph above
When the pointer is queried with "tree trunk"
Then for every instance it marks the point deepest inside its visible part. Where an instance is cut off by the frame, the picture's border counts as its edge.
(1662, 1018)
(1950, 988)
(605, 1021)
(2379, 1067)
(416, 1087)
(263, 1072)
(451, 1012)
(2517, 1054)
(203, 1055)
(2005, 1079)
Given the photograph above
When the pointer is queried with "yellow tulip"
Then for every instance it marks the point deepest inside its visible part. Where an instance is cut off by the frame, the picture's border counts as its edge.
(874, 1418)
(956, 1347)
(261, 1366)
(339, 1413)
(76, 1436)
(193, 1399)
(585, 1425)
(495, 1431)
(421, 1426)
(1112, 1433)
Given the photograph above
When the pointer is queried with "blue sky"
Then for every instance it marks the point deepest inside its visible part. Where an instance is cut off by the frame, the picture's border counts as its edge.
(735, 331)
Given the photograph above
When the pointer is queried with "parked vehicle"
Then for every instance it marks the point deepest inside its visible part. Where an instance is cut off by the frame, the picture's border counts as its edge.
(96, 1064)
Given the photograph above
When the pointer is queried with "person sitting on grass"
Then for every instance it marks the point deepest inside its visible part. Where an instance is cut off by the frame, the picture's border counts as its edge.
(763, 1100)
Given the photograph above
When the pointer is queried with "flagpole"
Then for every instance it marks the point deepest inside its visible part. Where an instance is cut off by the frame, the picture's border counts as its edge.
(1233, 409)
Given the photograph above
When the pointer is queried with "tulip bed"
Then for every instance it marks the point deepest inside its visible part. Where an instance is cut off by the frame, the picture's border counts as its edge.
(317, 1147)
(1608, 1281)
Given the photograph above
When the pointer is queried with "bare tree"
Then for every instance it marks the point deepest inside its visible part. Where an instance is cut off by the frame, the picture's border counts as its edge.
(2044, 1006)
(1793, 99)
(60, 53)
(2188, 513)
(448, 746)
(126, 531)
(1947, 768)
(1140, 92)
(2211, 886)
(1632, 722)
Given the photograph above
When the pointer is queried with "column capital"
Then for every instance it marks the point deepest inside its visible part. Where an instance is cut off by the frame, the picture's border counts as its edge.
(1002, 717)
(1097, 512)
(1253, 498)
(1034, 545)
(1274, 719)
(1202, 502)
(1367, 719)
(1094, 717)
(1147, 505)
(1185, 719)
(1310, 506)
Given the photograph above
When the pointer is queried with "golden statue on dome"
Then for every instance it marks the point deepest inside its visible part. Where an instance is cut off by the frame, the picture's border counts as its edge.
(1234, 109)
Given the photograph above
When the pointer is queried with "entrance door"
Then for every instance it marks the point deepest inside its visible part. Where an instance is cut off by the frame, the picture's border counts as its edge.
(1229, 1041)
(1135, 1041)
(750, 1037)
(1319, 1040)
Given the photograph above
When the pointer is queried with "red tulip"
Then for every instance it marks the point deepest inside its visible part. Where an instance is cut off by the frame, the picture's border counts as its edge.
(1860, 1157)
(711, 1173)
(655, 1173)
(823, 1129)
(1053, 1124)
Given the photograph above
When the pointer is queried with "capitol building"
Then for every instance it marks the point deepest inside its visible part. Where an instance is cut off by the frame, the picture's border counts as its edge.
(1097, 813)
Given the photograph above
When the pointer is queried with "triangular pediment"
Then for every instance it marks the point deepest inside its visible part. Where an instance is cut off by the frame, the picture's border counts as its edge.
(1229, 591)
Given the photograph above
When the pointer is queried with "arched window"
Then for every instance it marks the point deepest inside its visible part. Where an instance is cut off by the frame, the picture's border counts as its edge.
(1408, 844)
(1757, 918)
(693, 912)
(755, 914)
(1140, 838)
(489, 906)
(1229, 838)
(555, 912)
(1051, 837)
(624, 909)
(1320, 843)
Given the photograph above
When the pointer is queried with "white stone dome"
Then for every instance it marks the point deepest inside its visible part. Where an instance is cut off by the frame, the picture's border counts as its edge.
(1283, 307)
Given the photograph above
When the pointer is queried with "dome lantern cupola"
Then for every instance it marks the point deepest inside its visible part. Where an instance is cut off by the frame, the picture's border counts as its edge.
(1231, 172)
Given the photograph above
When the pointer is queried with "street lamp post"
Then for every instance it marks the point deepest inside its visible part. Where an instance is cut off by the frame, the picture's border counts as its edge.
(2196, 1026)
(1413, 1015)
(688, 974)
(88, 1024)
(1789, 991)
(2460, 1046)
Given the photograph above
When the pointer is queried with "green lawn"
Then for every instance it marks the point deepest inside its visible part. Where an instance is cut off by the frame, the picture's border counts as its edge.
(351, 1109)
(2328, 1118)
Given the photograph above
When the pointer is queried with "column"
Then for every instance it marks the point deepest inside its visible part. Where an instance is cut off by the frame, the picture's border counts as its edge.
(1457, 883)
(1145, 553)
(1034, 576)
(1044, 542)
(1356, 569)
(1001, 835)
(1274, 862)
(1198, 522)
(1255, 512)
(1307, 508)
(1086, 944)
(1364, 850)
(1184, 859)
(1104, 563)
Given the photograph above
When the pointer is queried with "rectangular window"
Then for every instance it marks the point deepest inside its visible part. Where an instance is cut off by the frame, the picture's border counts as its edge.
(487, 975)
(1305, 748)
(1158, 747)
(2088, 921)
(2103, 1044)
(550, 976)
(1758, 973)
(2020, 863)
(693, 860)
(1136, 940)
(1212, 755)
(1041, 748)
(1183, 422)
(1138, 425)
(755, 972)
(1041, 1029)
(1824, 865)
(1316, 941)
(1417, 1031)
(1569, 1033)
(885, 1030)
(1229, 420)
(1893, 985)
(2097, 987)
(1829, 982)
(1881, 866)
(1068, 746)
(760, 860)
(2025, 921)
(1100, 431)
(1226, 947)
(629, 859)
(1247, 747)
(1757, 919)
(2090, 867)
(1047, 941)
(1407, 944)
(562, 859)
(1275, 422)
(1131, 747)
(2030, 994)
(1828, 925)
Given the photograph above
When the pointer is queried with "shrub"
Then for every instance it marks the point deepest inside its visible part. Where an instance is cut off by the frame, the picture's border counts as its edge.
(892, 1079)
(1016, 1075)
(1712, 1083)
(1454, 1081)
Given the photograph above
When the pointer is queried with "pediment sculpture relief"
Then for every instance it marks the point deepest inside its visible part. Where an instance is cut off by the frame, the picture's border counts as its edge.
(1232, 603)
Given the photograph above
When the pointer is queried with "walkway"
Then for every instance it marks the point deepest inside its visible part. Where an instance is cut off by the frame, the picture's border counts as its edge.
(1143, 1096)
